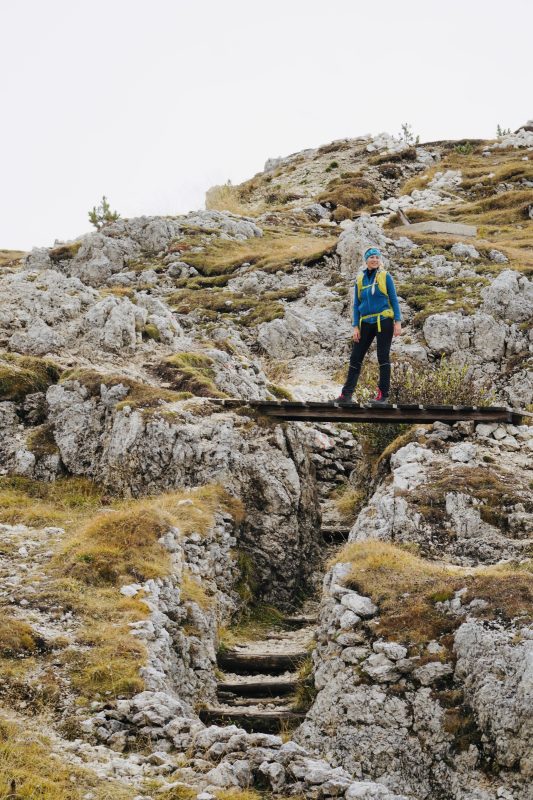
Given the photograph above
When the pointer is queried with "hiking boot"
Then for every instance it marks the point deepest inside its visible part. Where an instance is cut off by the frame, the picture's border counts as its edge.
(380, 399)
(343, 399)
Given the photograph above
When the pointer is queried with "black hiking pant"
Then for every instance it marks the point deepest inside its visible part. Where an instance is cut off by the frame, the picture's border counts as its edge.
(369, 331)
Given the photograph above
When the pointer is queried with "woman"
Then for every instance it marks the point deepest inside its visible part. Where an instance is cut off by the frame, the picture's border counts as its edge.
(376, 314)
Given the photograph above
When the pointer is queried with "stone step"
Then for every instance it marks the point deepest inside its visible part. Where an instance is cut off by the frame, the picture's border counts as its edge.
(238, 702)
(335, 535)
(300, 620)
(258, 688)
(253, 721)
(260, 663)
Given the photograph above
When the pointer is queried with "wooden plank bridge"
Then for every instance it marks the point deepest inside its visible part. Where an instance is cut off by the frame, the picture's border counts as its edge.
(309, 411)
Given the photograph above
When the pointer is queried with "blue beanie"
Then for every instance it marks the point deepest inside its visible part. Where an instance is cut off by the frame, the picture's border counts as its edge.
(372, 251)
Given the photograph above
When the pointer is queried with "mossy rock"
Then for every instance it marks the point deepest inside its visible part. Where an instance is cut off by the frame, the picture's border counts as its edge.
(22, 375)
(191, 372)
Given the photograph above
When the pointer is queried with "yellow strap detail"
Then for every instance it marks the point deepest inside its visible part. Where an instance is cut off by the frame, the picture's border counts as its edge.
(387, 313)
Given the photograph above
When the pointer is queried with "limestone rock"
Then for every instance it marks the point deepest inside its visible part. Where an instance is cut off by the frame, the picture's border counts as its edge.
(509, 296)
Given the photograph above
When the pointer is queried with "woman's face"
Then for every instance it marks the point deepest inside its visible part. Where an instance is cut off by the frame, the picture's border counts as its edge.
(372, 262)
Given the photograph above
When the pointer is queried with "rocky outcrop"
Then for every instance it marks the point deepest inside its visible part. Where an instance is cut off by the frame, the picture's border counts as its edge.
(385, 714)
(509, 297)
(106, 252)
(446, 494)
(135, 453)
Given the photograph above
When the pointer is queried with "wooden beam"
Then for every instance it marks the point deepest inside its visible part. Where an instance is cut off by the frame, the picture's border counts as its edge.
(259, 663)
(313, 411)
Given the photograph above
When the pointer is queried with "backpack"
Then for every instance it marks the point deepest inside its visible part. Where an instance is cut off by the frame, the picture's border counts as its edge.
(381, 281)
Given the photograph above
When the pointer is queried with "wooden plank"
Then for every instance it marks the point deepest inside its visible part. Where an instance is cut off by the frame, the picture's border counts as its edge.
(259, 663)
(315, 411)
(258, 688)
(253, 721)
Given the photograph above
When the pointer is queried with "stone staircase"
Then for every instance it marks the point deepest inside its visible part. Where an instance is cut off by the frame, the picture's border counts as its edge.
(258, 690)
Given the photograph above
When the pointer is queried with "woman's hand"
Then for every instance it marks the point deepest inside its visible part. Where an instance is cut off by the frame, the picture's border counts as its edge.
(356, 334)
(397, 329)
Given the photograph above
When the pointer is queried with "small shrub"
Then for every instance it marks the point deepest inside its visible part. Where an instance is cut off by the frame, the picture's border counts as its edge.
(305, 688)
(415, 383)
(332, 165)
(64, 252)
(352, 191)
(41, 441)
(102, 215)
(465, 149)
(409, 154)
(502, 131)
(152, 332)
(408, 136)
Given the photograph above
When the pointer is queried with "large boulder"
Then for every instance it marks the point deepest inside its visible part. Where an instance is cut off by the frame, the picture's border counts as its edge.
(496, 667)
(472, 338)
(509, 297)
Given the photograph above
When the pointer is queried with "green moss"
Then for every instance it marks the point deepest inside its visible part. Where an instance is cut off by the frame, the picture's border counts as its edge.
(41, 441)
(22, 375)
(64, 252)
(191, 372)
(152, 332)
(279, 392)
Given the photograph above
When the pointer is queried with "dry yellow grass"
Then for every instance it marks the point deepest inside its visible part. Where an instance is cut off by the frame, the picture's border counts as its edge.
(104, 548)
(10, 257)
(226, 197)
(20, 375)
(16, 637)
(118, 546)
(37, 503)
(192, 589)
(276, 250)
(407, 589)
(28, 762)
(349, 503)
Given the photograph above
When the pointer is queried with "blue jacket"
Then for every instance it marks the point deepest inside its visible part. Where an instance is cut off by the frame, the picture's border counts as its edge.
(374, 303)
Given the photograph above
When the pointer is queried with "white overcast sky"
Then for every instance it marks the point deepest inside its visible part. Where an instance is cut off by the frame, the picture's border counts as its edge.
(152, 102)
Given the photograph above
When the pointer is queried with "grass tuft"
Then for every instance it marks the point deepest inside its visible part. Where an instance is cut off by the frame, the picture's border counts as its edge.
(16, 637)
(191, 372)
(33, 770)
(408, 588)
(22, 375)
